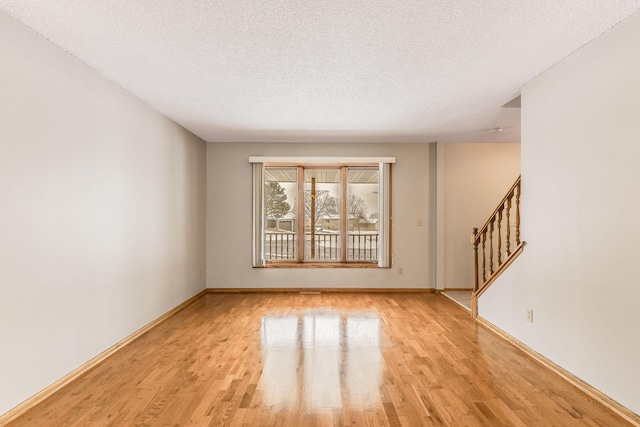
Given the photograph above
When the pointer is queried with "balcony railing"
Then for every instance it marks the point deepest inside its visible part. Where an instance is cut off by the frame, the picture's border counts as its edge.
(280, 246)
(360, 246)
(326, 247)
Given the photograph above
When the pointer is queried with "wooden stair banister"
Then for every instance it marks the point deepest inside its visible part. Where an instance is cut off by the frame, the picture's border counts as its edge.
(492, 230)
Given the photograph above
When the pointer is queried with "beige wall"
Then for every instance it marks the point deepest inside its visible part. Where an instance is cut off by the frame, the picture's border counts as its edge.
(579, 271)
(475, 178)
(102, 217)
(229, 203)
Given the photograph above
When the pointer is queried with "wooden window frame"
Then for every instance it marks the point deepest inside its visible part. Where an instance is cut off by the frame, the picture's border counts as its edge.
(384, 254)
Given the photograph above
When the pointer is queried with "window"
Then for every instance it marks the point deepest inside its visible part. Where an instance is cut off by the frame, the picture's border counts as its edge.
(321, 213)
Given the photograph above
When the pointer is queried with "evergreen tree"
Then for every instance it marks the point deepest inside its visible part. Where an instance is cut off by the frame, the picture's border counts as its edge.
(275, 201)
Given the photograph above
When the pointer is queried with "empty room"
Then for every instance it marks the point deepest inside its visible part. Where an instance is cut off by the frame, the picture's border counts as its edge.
(319, 213)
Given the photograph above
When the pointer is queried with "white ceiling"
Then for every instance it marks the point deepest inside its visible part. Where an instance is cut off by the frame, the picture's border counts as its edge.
(332, 70)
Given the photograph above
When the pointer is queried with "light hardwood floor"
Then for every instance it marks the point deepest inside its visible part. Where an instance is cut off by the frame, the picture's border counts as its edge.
(341, 359)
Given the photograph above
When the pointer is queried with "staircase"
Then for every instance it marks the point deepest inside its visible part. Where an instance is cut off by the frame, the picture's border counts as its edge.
(497, 244)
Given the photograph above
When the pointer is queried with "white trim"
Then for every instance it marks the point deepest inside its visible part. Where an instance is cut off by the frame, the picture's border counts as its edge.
(334, 160)
(440, 216)
(384, 217)
(258, 215)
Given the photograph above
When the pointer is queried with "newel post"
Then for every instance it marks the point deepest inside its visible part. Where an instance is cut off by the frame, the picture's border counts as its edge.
(474, 299)
(474, 240)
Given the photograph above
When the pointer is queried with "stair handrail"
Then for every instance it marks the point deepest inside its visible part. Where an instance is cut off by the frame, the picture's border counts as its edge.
(479, 238)
(509, 194)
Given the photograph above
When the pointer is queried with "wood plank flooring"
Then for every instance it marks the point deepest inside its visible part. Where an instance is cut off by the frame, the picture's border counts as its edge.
(336, 359)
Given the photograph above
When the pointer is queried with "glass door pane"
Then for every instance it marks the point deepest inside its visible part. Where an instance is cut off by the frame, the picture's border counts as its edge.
(280, 217)
(322, 214)
(362, 214)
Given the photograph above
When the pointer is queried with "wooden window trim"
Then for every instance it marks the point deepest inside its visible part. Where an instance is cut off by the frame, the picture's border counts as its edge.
(300, 262)
(318, 264)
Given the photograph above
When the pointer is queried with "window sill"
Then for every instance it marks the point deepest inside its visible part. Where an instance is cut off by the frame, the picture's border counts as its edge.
(320, 265)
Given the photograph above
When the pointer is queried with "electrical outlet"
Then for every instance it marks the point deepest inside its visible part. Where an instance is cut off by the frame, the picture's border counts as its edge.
(400, 270)
(530, 315)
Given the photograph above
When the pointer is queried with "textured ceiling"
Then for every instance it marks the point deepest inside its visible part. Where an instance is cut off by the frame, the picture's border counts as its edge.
(333, 70)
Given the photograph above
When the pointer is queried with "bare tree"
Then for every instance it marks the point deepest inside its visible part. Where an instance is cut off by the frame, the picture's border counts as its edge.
(326, 204)
(357, 210)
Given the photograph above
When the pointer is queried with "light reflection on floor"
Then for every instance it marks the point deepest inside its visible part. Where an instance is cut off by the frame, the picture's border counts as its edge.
(317, 359)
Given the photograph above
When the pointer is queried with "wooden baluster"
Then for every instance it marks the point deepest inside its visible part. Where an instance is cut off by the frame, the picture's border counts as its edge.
(500, 236)
(491, 246)
(474, 239)
(484, 261)
(508, 225)
(518, 214)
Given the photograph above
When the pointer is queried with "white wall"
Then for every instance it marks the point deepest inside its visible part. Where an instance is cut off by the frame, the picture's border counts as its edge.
(580, 174)
(101, 213)
(229, 219)
(476, 177)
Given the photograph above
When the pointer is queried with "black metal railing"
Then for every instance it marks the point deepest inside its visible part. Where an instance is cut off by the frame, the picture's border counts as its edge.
(280, 246)
(360, 246)
(326, 247)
